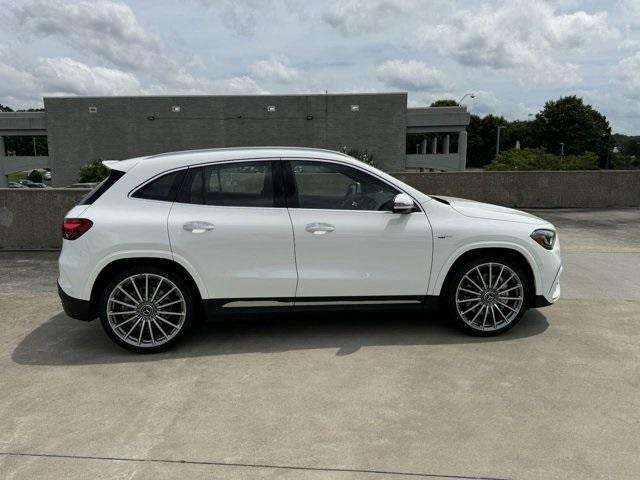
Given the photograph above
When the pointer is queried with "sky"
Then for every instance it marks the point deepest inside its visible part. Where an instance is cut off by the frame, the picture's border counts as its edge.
(514, 55)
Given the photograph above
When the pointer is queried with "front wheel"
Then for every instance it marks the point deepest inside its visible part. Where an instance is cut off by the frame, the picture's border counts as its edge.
(146, 310)
(488, 295)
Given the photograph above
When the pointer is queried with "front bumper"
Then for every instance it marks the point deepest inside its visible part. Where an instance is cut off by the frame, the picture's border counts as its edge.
(553, 295)
(74, 307)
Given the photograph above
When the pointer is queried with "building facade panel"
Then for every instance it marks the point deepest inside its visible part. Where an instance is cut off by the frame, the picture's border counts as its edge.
(83, 129)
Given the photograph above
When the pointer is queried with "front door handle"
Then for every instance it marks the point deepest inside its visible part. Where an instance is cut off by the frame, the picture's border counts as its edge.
(198, 227)
(319, 228)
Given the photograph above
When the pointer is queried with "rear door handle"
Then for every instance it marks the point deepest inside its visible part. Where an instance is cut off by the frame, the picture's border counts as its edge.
(319, 228)
(198, 227)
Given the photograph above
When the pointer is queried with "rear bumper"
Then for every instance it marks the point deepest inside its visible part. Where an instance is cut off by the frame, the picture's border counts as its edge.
(74, 307)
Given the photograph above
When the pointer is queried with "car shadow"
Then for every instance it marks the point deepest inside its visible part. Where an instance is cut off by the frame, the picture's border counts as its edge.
(64, 341)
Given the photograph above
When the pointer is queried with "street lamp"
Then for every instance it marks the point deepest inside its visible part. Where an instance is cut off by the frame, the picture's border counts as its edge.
(500, 127)
(472, 95)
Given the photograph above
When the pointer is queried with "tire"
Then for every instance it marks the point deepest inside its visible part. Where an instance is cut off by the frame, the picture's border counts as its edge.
(146, 309)
(488, 295)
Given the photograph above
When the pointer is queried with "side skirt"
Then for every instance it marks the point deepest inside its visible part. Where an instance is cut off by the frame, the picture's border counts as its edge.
(229, 307)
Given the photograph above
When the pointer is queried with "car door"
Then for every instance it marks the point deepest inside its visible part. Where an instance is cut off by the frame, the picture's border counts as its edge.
(349, 242)
(229, 222)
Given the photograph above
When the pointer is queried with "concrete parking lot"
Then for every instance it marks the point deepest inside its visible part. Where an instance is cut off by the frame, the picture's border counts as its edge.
(393, 395)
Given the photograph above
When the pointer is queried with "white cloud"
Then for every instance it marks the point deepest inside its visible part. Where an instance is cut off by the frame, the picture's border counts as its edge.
(355, 17)
(70, 77)
(520, 34)
(241, 16)
(627, 76)
(238, 85)
(277, 70)
(108, 29)
(410, 75)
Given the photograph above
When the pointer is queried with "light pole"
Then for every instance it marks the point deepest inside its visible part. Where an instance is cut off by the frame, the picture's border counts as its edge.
(472, 95)
(500, 127)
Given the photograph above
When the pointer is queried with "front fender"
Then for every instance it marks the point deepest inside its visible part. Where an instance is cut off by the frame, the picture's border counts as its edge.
(439, 275)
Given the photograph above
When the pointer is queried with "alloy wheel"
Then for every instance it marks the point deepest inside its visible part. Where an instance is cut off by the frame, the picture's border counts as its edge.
(489, 296)
(146, 310)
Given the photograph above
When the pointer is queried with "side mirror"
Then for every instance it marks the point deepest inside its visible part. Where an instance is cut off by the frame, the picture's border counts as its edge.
(403, 203)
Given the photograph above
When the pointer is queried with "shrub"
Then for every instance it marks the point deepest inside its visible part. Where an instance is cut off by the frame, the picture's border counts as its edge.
(35, 176)
(362, 155)
(93, 172)
(538, 159)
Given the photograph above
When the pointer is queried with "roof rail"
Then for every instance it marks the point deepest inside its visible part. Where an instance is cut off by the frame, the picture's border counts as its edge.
(202, 150)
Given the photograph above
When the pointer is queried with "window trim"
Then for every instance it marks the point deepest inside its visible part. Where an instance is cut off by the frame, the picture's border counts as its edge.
(291, 193)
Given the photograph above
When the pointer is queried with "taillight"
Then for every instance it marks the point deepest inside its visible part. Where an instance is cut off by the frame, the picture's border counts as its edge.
(73, 228)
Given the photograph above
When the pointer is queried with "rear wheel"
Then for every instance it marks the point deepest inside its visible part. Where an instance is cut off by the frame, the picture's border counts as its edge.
(146, 310)
(488, 295)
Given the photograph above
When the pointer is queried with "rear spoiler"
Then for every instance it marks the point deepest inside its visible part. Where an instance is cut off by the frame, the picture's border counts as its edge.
(120, 165)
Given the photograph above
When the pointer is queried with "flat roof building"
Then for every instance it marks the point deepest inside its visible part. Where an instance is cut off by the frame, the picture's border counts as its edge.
(82, 129)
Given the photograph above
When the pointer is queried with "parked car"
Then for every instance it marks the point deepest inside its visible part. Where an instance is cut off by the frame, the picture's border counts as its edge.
(186, 233)
(30, 184)
(16, 185)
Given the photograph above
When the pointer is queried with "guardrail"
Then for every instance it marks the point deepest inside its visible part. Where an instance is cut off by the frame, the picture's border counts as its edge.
(31, 218)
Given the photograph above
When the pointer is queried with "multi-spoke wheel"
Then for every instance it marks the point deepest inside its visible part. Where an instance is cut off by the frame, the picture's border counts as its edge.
(145, 309)
(488, 296)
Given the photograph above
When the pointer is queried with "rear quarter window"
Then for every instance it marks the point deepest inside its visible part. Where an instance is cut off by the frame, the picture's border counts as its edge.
(163, 188)
(98, 191)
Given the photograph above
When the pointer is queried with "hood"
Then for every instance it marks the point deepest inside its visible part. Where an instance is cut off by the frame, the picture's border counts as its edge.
(473, 209)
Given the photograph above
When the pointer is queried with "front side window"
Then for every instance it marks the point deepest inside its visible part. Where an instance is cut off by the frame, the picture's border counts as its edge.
(163, 188)
(241, 184)
(333, 186)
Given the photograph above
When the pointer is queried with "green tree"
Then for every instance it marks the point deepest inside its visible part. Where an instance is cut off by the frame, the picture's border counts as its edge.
(35, 176)
(568, 120)
(481, 143)
(93, 172)
(444, 102)
(4, 108)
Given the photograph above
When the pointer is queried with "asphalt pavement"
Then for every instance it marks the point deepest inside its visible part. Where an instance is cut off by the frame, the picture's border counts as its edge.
(336, 396)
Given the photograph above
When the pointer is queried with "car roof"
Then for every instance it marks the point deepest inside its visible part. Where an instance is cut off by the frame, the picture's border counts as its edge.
(211, 155)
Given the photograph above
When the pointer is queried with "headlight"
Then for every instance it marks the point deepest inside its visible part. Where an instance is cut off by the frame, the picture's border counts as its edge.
(544, 237)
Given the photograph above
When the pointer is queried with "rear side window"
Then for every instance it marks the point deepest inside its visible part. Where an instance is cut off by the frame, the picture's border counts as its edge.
(163, 188)
(107, 183)
(242, 184)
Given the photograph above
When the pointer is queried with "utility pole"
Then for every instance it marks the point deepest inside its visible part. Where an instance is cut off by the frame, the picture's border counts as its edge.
(500, 127)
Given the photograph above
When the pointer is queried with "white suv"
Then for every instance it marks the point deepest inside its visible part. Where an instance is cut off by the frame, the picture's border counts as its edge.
(172, 237)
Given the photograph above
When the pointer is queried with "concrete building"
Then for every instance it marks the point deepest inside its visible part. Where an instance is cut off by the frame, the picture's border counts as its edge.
(83, 129)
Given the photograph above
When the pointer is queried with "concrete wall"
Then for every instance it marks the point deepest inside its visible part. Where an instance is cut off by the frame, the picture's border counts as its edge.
(31, 218)
(120, 128)
(551, 189)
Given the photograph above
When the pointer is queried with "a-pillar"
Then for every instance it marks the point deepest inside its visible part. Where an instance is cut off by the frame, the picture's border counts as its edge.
(445, 144)
(462, 150)
(3, 176)
(434, 145)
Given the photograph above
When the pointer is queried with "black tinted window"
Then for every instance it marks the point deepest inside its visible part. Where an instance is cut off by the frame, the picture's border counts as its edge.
(107, 183)
(333, 186)
(241, 184)
(162, 188)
